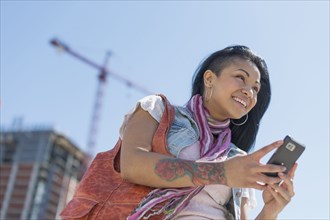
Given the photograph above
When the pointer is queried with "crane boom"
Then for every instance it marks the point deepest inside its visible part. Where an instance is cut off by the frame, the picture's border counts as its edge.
(102, 77)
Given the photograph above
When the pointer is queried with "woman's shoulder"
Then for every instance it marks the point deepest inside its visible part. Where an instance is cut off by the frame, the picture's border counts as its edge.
(154, 105)
(152, 102)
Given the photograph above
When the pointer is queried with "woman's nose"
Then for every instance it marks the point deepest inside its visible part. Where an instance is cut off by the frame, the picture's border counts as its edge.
(248, 92)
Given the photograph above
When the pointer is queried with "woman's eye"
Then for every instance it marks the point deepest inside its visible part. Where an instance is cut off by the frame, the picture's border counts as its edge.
(256, 89)
(241, 77)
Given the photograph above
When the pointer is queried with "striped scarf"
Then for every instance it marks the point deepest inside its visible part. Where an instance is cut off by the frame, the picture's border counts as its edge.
(211, 147)
(174, 200)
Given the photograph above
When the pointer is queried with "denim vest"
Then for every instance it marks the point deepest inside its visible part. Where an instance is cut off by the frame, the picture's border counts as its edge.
(184, 132)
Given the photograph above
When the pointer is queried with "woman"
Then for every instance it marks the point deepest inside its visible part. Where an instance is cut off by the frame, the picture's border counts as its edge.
(208, 140)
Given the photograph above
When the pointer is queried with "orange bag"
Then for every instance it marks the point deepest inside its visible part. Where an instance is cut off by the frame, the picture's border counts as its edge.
(102, 193)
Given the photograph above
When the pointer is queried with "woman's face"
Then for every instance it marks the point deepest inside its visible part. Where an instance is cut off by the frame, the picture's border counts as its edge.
(234, 90)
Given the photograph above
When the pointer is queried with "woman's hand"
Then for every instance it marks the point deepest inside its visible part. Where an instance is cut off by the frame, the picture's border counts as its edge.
(248, 172)
(276, 197)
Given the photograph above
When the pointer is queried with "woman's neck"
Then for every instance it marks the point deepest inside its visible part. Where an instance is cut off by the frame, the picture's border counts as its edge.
(214, 123)
(213, 116)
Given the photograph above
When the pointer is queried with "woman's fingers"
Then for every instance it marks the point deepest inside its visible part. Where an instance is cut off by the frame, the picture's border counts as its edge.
(276, 195)
(283, 192)
(261, 178)
(292, 171)
(288, 179)
(265, 150)
(287, 183)
(247, 171)
(258, 186)
(270, 168)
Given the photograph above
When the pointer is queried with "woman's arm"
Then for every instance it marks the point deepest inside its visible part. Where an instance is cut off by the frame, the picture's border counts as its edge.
(140, 165)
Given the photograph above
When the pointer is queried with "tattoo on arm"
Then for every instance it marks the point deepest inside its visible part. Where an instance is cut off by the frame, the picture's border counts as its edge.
(199, 173)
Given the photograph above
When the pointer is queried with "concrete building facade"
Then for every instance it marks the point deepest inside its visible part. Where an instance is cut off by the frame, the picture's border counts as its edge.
(39, 171)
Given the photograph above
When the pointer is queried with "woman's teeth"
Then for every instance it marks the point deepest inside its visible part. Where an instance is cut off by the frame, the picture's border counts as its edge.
(240, 101)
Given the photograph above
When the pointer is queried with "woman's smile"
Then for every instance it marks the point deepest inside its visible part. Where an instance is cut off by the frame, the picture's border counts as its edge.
(240, 101)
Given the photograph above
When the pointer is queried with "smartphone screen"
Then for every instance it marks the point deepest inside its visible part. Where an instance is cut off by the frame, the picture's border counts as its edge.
(286, 155)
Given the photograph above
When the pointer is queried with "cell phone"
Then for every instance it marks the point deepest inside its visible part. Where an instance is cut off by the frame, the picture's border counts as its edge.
(286, 155)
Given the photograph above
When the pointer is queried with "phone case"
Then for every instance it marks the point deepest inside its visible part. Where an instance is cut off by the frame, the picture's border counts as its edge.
(287, 154)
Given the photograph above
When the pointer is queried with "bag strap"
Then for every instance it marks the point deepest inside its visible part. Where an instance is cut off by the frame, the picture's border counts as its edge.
(159, 141)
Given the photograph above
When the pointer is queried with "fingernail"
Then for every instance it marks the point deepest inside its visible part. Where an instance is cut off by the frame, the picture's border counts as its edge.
(281, 174)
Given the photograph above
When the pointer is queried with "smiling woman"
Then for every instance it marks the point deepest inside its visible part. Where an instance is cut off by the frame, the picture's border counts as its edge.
(250, 71)
(197, 166)
(235, 86)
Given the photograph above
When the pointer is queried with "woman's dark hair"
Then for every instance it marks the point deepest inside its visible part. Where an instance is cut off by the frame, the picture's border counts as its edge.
(242, 136)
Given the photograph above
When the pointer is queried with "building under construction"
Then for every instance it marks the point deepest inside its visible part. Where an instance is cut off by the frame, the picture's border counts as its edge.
(39, 172)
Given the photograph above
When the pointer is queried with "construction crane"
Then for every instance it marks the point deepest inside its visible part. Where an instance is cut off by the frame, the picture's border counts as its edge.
(102, 78)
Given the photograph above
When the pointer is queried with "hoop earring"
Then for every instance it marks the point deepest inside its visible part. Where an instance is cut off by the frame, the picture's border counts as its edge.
(242, 123)
(208, 97)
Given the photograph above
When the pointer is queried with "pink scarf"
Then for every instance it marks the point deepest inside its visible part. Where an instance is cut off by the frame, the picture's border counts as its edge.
(211, 148)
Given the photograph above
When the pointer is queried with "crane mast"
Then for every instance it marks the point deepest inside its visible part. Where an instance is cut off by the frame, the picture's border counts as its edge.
(94, 124)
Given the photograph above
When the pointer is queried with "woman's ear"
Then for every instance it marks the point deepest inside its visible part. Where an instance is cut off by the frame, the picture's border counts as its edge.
(209, 78)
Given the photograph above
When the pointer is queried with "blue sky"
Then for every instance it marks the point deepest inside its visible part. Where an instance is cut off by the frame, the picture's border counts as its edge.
(158, 45)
